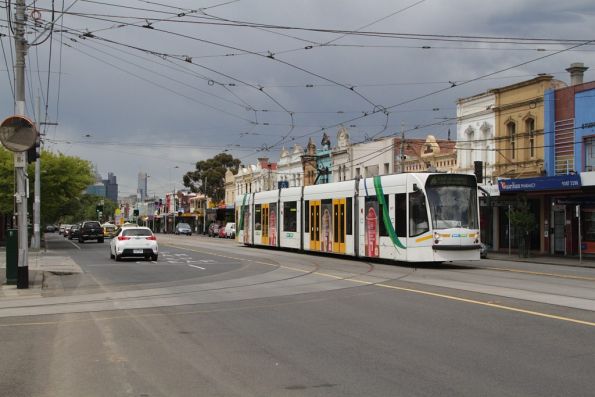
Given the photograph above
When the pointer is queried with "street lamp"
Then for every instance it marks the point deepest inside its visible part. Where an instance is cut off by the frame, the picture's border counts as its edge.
(173, 201)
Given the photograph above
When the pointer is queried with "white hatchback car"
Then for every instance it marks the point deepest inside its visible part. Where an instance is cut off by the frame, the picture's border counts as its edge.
(134, 242)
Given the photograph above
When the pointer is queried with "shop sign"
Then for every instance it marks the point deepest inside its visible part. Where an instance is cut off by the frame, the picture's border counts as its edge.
(561, 182)
(576, 201)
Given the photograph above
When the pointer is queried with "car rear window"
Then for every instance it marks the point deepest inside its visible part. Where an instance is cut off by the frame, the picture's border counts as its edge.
(137, 232)
(183, 225)
(92, 224)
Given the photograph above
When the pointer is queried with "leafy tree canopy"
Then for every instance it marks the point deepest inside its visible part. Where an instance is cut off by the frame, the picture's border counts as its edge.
(209, 176)
(63, 180)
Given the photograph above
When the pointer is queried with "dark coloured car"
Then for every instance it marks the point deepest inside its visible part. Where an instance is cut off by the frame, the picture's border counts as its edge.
(73, 232)
(90, 230)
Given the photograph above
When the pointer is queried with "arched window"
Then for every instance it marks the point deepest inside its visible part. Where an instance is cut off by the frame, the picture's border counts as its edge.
(511, 130)
(530, 129)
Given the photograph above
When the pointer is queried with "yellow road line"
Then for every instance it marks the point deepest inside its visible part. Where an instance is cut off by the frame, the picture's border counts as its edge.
(493, 305)
(503, 269)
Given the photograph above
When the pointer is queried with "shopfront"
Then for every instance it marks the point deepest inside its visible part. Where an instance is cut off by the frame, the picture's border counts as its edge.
(547, 199)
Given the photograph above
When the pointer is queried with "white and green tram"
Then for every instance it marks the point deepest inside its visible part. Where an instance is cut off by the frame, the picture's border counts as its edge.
(413, 217)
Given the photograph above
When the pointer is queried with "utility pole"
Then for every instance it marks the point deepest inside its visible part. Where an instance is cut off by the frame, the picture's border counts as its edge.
(20, 159)
(36, 240)
(402, 156)
(204, 215)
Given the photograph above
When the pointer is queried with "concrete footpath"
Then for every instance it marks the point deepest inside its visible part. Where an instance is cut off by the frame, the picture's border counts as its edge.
(41, 263)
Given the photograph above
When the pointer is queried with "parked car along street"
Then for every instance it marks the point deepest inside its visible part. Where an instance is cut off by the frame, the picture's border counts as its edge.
(230, 230)
(183, 228)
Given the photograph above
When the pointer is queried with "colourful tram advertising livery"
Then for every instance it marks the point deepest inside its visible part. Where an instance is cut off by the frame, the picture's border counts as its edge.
(405, 217)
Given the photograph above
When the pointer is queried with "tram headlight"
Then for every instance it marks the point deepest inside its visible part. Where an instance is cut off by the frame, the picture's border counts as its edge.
(436, 237)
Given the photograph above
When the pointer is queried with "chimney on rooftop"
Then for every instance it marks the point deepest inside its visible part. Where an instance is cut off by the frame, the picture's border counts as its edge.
(576, 71)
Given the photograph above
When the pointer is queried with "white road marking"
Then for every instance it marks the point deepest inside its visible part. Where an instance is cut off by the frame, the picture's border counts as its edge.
(198, 267)
(73, 243)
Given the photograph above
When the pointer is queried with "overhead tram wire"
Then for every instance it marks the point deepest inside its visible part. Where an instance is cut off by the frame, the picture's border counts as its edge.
(149, 70)
(376, 21)
(159, 85)
(8, 69)
(162, 86)
(59, 69)
(375, 111)
(398, 35)
(260, 89)
(270, 56)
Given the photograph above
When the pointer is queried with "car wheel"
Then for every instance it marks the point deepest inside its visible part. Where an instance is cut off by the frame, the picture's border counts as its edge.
(118, 258)
(154, 258)
(111, 256)
(81, 241)
(100, 240)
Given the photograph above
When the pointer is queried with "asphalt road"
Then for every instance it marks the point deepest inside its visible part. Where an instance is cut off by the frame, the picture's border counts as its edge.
(256, 322)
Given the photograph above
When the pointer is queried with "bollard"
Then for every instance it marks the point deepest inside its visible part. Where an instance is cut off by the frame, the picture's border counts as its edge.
(12, 256)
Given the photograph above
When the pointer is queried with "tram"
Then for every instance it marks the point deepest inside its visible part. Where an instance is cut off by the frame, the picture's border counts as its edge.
(409, 217)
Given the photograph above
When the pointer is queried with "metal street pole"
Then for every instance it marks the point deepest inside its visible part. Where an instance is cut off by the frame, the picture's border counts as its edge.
(20, 159)
(204, 215)
(580, 240)
(509, 237)
(402, 156)
(36, 240)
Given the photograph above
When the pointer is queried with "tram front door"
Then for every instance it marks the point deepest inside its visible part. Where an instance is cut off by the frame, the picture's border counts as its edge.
(339, 226)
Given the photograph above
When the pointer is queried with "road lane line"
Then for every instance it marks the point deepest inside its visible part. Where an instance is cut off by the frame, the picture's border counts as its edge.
(533, 273)
(488, 304)
(73, 243)
(198, 267)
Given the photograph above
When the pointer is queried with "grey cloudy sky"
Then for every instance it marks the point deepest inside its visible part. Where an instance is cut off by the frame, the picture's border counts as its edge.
(128, 100)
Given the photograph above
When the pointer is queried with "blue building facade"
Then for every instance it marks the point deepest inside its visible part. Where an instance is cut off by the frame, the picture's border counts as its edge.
(570, 129)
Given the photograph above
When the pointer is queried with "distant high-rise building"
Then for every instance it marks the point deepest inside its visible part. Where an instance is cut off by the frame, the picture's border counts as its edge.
(111, 187)
(142, 186)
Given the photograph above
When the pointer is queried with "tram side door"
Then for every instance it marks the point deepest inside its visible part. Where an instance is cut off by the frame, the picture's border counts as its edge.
(339, 225)
(265, 224)
(315, 225)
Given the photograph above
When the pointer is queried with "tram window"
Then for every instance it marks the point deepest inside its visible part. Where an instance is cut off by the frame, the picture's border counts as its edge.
(290, 216)
(372, 200)
(306, 215)
(401, 214)
(418, 214)
(383, 229)
(349, 216)
(257, 219)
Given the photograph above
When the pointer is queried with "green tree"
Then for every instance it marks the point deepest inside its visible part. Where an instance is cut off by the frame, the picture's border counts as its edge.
(63, 180)
(524, 222)
(6, 181)
(211, 172)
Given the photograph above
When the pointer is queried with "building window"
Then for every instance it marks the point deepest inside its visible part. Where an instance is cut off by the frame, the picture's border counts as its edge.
(511, 130)
(357, 172)
(590, 154)
(530, 128)
(386, 168)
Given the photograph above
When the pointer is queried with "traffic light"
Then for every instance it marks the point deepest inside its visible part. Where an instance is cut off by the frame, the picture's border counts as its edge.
(33, 152)
(99, 208)
(478, 165)
(135, 212)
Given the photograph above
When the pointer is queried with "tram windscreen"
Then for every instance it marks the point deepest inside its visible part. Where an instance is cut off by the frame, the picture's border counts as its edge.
(453, 201)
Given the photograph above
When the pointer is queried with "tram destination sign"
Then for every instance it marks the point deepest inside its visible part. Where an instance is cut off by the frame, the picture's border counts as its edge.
(560, 182)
